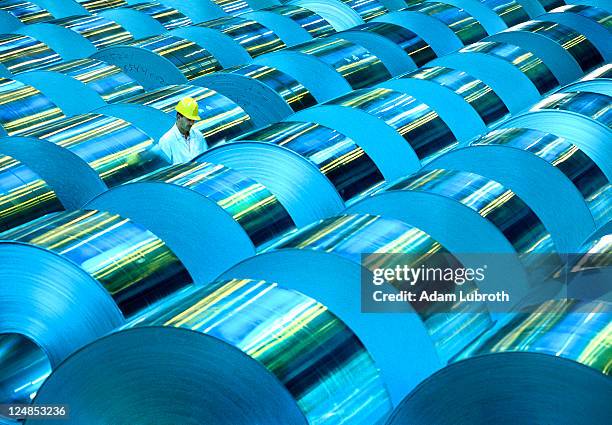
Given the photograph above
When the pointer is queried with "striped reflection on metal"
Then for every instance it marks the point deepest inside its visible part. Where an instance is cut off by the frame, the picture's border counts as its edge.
(27, 12)
(418, 124)
(346, 165)
(418, 50)
(467, 29)
(23, 108)
(221, 119)
(252, 36)
(601, 16)
(529, 64)
(97, 5)
(191, 60)
(115, 149)
(233, 7)
(101, 32)
(511, 11)
(169, 17)
(577, 45)
(314, 24)
(367, 9)
(592, 105)
(19, 53)
(24, 196)
(257, 210)
(480, 96)
(359, 67)
(109, 81)
(132, 265)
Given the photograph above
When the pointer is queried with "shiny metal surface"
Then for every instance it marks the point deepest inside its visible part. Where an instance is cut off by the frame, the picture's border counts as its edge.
(346, 165)
(550, 4)
(418, 124)
(169, 17)
(567, 158)
(418, 50)
(521, 227)
(314, 24)
(604, 71)
(233, 7)
(467, 29)
(313, 353)
(26, 11)
(221, 120)
(479, 95)
(115, 149)
(133, 265)
(97, 5)
(24, 196)
(252, 36)
(22, 107)
(358, 66)
(511, 11)
(529, 64)
(576, 330)
(109, 81)
(101, 32)
(191, 60)
(20, 53)
(601, 16)
(250, 203)
(592, 105)
(367, 9)
(292, 91)
(574, 43)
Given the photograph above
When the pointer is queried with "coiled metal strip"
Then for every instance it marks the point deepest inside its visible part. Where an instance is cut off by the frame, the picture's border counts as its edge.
(597, 81)
(19, 53)
(314, 24)
(27, 12)
(101, 32)
(367, 9)
(94, 6)
(233, 7)
(169, 17)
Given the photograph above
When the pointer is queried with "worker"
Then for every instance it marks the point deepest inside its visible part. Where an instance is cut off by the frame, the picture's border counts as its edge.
(182, 142)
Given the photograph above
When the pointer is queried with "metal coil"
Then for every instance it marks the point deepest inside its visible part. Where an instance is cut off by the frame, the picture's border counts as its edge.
(410, 131)
(314, 25)
(97, 152)
(23, 108)
(509, 12)
(24, 196)
(25, 12)
(241, 214)
(596, 81)
(168, 17)
(93, 269)
(583, 119)
(421, 342)
(19, 53)
(94, 6)
(99, 31)
(367, 9)
(233, 7)
(566, 52)
(466, 104)
(339, 14)
(222, 119)
(267, 94)
(549, 173)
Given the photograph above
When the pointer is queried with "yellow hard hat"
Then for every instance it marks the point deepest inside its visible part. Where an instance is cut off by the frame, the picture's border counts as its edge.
(188, 107)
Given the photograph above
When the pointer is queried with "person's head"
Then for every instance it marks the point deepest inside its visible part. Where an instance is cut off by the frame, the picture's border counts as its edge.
(186, 114)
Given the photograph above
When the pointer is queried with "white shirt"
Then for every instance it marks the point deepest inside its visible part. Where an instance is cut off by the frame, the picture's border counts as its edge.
(179, 150)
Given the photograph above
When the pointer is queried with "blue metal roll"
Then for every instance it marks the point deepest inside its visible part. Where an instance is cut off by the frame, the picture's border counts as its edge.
(493, 15)
(62, 9)
(147, 19)
(338, 13)
(16, 13)
(596, 81)
(19, 53)
(95, 6)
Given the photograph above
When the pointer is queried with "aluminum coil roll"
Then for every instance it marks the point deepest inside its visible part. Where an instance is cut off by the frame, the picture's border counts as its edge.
(24, 108)
(233, 40)
(24, 196)
(82, 85)
(99, 31)
(517, 76)
(198, 11)
(422, 342)
(96, 151)
(596, 81)
(16, 13)
(584, 119)
(367, 9)
(211, 216)
(399, 49)
(567, 53)
(266, 94)
(298, 363)
(95, 6)
(233, 7)
(552, 365)
(19, 53)
(493, 15)
(397, 131)
(93, 270)
(466, 104)
(222, 119)
(593, 22)
(329, 68)
(470, 214)
(338, 13)
(61, 9)
(547, 172)
(328, 167)
(147, 19)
